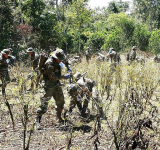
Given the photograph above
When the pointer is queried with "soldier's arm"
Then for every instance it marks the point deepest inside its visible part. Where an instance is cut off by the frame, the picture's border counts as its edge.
(68, 65)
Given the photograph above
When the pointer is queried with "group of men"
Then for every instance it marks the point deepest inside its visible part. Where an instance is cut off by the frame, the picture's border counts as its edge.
(51, 70)
(52, 75)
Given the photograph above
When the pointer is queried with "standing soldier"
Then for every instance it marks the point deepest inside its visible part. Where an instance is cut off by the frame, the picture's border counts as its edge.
(4, 74)
(34, 63)
(88, 54)
(114, 56)
(132, 54)
(11, 57)
(51, 76)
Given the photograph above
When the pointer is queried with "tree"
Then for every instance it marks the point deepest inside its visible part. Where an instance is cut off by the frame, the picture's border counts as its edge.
(141, 37)
(120, 28)
(149, 12)
(6, 24)
(154, 43)
(77, 21)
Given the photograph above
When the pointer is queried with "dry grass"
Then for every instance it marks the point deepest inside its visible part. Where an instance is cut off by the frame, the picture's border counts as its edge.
(112, 85)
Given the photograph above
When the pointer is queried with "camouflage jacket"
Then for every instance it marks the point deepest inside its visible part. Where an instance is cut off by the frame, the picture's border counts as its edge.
(3, 64)
(132, 55)
(87, 53)
(52, 70)
(74, 88)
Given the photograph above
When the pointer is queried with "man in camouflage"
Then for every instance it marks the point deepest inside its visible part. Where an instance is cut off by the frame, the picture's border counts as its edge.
(88, 54)
(132, 55)
(114, 56)
(4, 73)
(83, 87)
(51, 76)
(11, 57)
(35, 75)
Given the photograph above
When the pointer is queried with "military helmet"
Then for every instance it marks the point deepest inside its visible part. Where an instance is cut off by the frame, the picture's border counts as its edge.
(77, 76)
(5, 51)
(10, 49)
(134, 47)
(59, 54)
(30, 49)
(111, 49)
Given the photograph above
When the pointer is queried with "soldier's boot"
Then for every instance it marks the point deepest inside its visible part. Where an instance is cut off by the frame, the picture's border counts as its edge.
(37, 122)
(59, 112)
(79, 105)
(83, 112)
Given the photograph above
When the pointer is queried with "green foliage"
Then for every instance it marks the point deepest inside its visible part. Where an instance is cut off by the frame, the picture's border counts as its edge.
(141, 37)
(96, 40)
(113, 39)
(148, 11)
(120, 30)
(33, 9)
(154, 42)
(117, 7)
(6, 24)
(77, 21)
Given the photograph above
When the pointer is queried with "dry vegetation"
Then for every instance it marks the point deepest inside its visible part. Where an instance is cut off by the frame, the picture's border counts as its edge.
(128, 95)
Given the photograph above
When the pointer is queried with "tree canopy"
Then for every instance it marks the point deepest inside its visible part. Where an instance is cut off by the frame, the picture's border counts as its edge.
(73, 25)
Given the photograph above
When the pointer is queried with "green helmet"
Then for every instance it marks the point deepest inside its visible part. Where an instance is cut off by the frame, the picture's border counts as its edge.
(5, 51)
(59, 54)
(30, 49)
(134, 47)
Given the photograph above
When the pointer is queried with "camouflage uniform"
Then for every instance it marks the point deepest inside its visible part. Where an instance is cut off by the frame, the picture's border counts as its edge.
(4, 74)
(35, 76)
(132, 55)
(51, 76)
(88, 54)
(84, 87)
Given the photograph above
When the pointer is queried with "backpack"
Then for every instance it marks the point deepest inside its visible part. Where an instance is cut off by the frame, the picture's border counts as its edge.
(41, 63)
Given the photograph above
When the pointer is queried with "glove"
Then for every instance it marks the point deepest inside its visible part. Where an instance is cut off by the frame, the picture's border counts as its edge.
(8, 61)
(69, 70)
(66, 76)
(62, 65)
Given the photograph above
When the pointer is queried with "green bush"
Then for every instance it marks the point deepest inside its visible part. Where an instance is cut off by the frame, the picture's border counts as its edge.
(154, 42)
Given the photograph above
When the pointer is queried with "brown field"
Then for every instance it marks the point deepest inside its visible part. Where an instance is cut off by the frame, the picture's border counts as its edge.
(132, 93)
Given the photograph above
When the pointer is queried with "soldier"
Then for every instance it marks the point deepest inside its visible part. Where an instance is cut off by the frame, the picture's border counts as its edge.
(11, 57)
(34, 63)
(88, 54)
(132, 54)
(51, 76)
(83, 87)
(114, 56)
(4, 74)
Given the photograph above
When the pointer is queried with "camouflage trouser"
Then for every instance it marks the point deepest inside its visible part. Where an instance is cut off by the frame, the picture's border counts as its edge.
(88, 57)
(4, 76)
(57, 93)
(77, 100)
